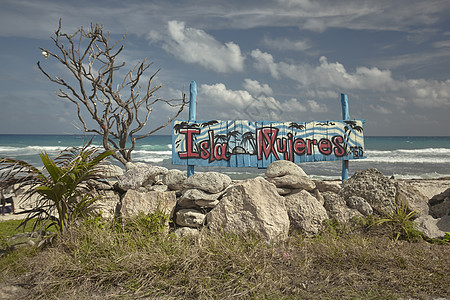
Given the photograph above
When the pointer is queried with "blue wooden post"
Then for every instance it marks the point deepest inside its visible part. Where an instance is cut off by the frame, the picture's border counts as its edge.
(345, 117)
(192, 110)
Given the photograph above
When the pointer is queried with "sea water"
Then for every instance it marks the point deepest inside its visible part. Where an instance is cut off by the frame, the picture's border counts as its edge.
(402, 157)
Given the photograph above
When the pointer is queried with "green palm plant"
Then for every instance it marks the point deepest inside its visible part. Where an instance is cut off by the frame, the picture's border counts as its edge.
(62, 191)
(400, 221)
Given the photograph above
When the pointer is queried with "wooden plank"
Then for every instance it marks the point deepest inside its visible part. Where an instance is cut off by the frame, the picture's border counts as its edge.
(257, 144)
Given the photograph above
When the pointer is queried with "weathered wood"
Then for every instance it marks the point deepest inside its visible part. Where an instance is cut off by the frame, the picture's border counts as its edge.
(345, 116)
(257, 144)
(192, 114)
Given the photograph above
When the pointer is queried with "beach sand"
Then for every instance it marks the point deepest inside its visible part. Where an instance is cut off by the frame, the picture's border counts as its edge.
(428, 187)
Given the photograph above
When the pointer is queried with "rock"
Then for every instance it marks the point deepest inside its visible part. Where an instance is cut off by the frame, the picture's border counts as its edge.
(328, 186)
(13, 292)
(186, 231)
(212, 182)
(293, 182)
(360, 204)
(195, 194)
(251, 205)
(318, 195)
(337, 208)
(284, 167)
(428, 225)
(414, 199)
(135, 202)
(440, 204)
(139, 175)
(306, 214)
(99, 185)
(191, 198)
(190, 218)
(174, 179)
(206, 203)
(107, 204)
(284, 191)
(112, 171)
(378, 190)
(444, 223)
(158, 188)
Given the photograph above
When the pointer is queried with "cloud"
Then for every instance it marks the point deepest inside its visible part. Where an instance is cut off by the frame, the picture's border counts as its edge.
(255, 88)
(287, 44)
(333, 76)
(216, 101)
(198, 47)
(325, 74)
(380, 109)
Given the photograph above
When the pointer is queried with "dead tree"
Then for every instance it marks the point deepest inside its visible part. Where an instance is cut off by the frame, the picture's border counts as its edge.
(121, 110)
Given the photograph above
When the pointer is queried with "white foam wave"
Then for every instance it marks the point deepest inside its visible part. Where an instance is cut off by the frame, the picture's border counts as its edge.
(411, 151)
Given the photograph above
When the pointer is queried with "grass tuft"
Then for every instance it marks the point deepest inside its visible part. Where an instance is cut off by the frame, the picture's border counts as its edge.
(107, 260)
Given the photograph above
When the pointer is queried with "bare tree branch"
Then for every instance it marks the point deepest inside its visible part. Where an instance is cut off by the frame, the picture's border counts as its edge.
(121, 113)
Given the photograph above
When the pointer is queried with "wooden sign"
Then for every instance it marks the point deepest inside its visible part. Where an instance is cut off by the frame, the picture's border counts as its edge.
(257, 144)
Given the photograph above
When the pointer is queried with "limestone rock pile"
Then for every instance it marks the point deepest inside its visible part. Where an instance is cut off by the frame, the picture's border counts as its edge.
(285, 200)
(202, 192)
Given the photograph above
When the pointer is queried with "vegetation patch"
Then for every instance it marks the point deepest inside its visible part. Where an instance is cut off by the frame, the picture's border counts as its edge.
(136, 258)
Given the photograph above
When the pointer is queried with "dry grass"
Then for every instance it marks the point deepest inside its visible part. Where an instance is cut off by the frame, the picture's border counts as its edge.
(104, 262)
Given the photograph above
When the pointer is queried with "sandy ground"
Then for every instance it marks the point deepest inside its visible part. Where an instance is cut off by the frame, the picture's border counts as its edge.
(428, 187)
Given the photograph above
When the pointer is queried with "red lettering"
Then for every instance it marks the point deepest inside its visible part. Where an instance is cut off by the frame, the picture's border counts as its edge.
(189, 143)
(339, 150)
(299, 146)
(204, 150)
(265, 140)
(220, 151)
(325, 146)
(310, 143)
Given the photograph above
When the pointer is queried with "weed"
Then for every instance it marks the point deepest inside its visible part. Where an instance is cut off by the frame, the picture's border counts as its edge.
(400, 223)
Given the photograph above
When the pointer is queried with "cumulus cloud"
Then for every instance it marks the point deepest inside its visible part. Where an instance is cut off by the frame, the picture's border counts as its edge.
(255, 88)
(333, 76)
(198, 47)
(218, 102)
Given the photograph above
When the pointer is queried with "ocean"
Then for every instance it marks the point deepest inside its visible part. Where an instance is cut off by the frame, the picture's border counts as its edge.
(401, 156)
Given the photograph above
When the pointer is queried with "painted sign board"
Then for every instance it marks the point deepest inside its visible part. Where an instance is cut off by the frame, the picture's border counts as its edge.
(257, 144)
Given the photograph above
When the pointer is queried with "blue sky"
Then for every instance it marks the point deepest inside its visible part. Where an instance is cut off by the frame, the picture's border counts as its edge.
(285, 60)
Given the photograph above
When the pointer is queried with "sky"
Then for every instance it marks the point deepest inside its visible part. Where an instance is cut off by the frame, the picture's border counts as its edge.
(281, 60)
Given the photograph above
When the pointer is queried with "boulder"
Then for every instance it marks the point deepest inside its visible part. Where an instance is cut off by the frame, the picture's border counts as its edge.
(112, 171)
(139, 175)
(283, 191)
(306, 214)
(158, 188)
(414, 199)
(378, 190)
(211, 182)
(440, 204)
(191, 198)
(318, 195)
(174, 179)
(206, 203)
(190, 218)
(107, 204)
(428, 225)
(251, 205)
(337, 208)
(328, 186)
(293, 182)
(284, 167)
(360, 204)
(444, 223)
(135, 202)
